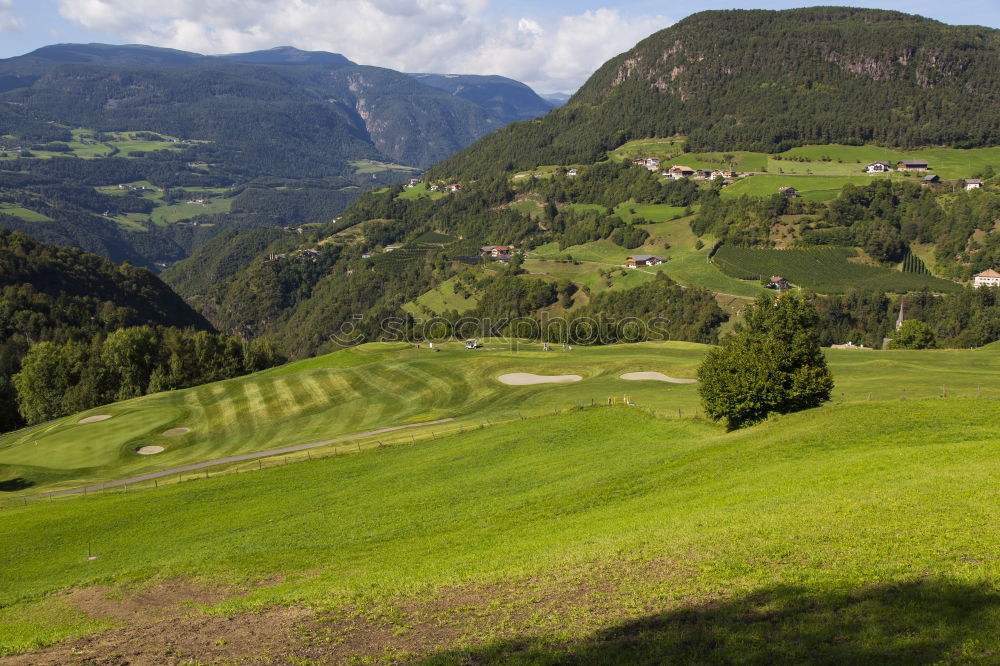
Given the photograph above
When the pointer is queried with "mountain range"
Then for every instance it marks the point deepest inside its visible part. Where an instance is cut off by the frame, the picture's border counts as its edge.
(270, 138)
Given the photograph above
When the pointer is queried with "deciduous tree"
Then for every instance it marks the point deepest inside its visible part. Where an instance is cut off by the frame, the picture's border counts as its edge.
(772, 364)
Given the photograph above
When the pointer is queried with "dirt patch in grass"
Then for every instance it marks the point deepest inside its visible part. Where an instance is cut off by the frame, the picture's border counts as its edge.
(176, 431)
(164, 626)
(169, 599)
(149, 450)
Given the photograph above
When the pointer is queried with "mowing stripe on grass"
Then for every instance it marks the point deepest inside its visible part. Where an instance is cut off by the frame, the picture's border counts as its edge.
(231, 459)
(223, 397)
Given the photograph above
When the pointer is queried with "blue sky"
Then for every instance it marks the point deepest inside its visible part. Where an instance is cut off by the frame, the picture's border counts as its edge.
(552, 45)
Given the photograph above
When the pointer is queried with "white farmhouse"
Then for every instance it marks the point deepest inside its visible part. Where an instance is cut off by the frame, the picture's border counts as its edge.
(988, 278)
(878, 167)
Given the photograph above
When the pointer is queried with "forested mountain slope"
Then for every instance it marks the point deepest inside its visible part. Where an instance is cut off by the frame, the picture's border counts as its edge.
(767, 81)
(61, 294)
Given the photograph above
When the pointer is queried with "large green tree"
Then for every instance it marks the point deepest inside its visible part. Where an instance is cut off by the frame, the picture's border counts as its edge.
(913, 334)
(772, 364)
(42, 382)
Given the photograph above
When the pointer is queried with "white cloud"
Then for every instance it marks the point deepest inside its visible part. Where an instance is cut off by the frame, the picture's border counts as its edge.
(408, 35)
(9, 22)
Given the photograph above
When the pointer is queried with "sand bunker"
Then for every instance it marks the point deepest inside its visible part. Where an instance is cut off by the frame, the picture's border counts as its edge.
(95, 419)
(527, 379)
(149, 450)
(656, 376)
(176, 431)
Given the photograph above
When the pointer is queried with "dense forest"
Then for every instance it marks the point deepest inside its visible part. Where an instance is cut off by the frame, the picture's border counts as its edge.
(767, 81)
(67, 304)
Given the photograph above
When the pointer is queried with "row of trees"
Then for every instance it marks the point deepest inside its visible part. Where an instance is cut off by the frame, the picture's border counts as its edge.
(970, 318)
(56, 379)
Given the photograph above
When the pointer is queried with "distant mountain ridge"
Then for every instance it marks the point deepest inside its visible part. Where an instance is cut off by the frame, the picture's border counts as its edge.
(415, 121)
(304, 130)
(505, 98)
(21, 71)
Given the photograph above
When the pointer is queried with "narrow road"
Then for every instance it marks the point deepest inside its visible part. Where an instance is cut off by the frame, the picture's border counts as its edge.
(239, 458)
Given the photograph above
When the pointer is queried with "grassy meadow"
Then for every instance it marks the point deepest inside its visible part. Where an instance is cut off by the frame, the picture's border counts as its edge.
(808, 187)
(441, 299)
(359, 389)
(852, 533)
(673, 240)
(820, 160)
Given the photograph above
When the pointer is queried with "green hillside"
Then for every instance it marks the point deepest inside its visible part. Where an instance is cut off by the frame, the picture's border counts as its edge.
(358, 390)
(850, 533)
(766, 81)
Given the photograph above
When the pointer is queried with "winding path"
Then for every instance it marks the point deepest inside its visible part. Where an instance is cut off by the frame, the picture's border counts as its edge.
(246, 456)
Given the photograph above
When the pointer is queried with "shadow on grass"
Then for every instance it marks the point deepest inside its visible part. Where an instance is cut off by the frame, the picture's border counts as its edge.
(17, 483)
(909, 623)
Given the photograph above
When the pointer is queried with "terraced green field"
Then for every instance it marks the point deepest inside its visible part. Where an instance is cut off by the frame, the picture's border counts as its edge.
(23, 213)
(184, 210)
(686, 264)
(853, 533)
(369, 167)
(828, 160)
(628, 211)
(808, 187)
(824, 270)
(949, 163)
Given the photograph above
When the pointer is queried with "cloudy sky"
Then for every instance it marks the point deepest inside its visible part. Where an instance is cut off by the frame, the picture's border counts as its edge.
(552, 46)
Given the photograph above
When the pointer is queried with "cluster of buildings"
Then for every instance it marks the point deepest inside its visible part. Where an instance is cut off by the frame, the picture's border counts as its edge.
(639, 260)
(496, 252)
(902, 165)
(920, 166)
(453, 187)
(135, 188)
(678, 171)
